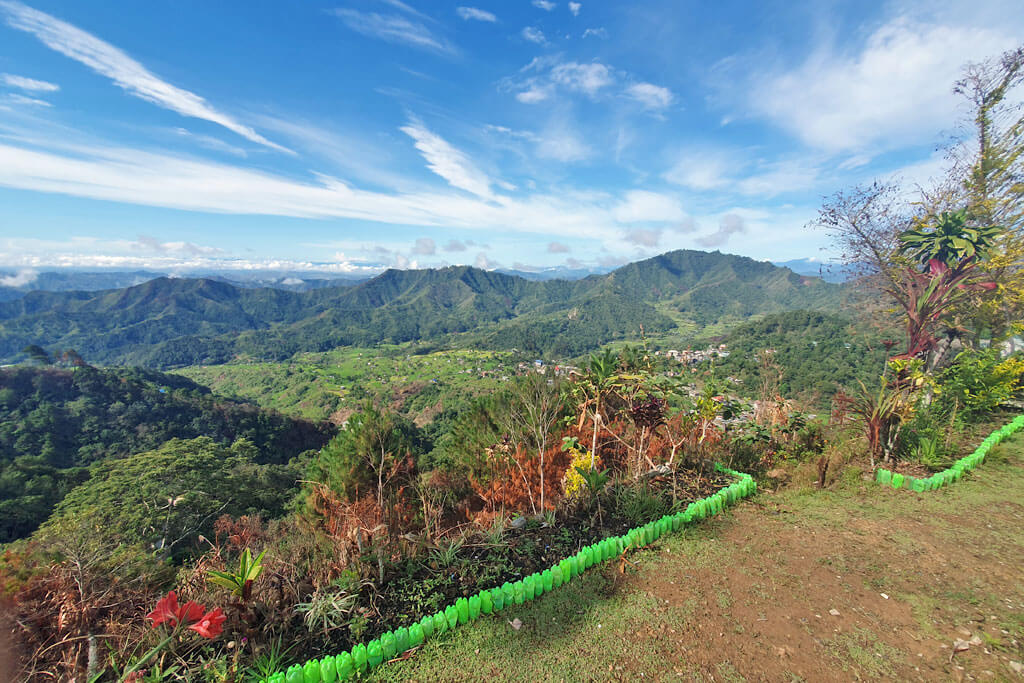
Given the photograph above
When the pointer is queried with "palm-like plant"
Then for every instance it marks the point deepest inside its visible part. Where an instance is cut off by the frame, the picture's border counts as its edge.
(950, 240)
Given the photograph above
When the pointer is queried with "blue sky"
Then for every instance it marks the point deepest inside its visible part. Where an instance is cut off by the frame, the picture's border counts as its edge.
(349, 136)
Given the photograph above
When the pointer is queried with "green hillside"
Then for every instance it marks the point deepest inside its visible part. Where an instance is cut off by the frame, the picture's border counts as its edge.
(55, 423)
(168, 323)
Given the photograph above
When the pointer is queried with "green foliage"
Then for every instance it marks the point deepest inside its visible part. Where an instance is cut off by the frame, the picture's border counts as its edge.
(376, 448)
(165, 498)
(55, 423)
(240, 582)
(817, 352)
(950, 240)
(979, 382)
(595, 480)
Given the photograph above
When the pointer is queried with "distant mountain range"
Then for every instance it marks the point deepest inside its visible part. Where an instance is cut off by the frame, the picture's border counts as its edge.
(173, 322)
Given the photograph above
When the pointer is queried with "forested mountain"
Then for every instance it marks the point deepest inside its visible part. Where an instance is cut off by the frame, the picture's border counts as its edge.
(175, 322)
(54, 423)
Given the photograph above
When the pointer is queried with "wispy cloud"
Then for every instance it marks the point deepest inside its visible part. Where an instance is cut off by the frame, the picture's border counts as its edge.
(545, 5)
(394, 28)
(586, 78)
(24, 99)
(424, 246)
(534, 94)
(574, 7)
(534, 35)
(731, 224)
(654, 97)
(30, 84)
(558, 248)
(125, 72)
(842, 100)
(474, 13)
(20, 279)
(446, 161)
(596, 32)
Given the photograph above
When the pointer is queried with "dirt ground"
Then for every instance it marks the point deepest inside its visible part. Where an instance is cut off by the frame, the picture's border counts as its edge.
(851, 583)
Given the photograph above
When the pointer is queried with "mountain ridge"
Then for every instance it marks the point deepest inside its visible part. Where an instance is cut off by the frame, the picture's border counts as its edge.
(169, 322)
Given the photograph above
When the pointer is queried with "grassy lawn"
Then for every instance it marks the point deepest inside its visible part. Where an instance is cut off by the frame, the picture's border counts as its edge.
(853, 583)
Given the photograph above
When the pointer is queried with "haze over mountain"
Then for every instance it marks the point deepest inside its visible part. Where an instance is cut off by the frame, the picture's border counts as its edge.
(169, 322)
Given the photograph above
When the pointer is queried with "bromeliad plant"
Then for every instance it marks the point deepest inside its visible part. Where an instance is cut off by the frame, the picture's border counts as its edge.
(240, 582)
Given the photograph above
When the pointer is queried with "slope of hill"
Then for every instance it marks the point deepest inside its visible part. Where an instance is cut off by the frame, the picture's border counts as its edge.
(53, 423)
(171, 323)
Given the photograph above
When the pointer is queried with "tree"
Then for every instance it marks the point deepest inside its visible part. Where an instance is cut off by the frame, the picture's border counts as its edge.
(376, 448)
(535, 409)
(37, 354)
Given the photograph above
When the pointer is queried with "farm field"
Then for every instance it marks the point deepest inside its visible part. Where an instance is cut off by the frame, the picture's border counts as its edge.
(322, 386)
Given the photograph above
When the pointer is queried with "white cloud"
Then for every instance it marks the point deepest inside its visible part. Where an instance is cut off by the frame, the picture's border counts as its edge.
(574, 7)
(448, 162)
(483, 262)
(709, 168)
(649, 95)
(19, 279)
(599, 32)
(896, 89)
(644, 237)
(534, 35)
(128, 74)
(534, 94)
(731, 224)
(23, 99)
(545, 5)
(424, 246)
(586, 78)
(562, 143)
(643, 206)
(474, 13)
(394, 29)
(30, 84)
(558, 248)
(454, 245)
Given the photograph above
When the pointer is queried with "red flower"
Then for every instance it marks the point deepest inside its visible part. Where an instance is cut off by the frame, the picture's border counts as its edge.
(167, 610)
(210, 624)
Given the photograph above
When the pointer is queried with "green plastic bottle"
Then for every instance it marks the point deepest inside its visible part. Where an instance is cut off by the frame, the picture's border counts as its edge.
(474, 607)
(328, 669)
(440, 622)
(566, 568)
(518, 592)
(530, 587)
(547, 580)
(416, 637)
(509, 593)
(388, 645)
(556, 576)
(462, 609)
(498, 599)
(276, 678)
(294, 674)
(486, 604)
(344, 666)
(451, 615)
(427, 624)
(311, 671)
(401, 640)
(897, 480)
(374, 654)
(360, 659)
